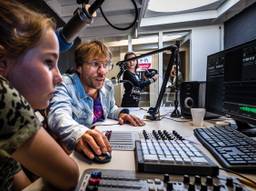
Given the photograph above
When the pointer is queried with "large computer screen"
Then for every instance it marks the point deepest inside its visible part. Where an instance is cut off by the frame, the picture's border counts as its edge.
(240, 83)
(231, 85)
(215, 83)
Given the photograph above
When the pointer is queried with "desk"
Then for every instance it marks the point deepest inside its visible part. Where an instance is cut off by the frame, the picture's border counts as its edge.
(124, 160)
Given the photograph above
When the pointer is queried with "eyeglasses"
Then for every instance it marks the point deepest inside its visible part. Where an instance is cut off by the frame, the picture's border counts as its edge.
(96, 65)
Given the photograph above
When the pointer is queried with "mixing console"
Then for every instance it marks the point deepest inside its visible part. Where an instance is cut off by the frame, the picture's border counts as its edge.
(119, 180)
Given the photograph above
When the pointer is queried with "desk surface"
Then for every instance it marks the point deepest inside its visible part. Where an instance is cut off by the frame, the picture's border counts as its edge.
(124, 160)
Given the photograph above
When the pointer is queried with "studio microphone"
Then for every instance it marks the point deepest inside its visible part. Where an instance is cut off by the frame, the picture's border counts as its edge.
(81, 18)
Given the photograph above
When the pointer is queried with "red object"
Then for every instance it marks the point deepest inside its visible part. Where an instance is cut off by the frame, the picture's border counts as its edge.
(144, 65)
(94, 181)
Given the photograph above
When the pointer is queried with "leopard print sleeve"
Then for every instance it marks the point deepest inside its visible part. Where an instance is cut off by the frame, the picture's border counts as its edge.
(17, 119)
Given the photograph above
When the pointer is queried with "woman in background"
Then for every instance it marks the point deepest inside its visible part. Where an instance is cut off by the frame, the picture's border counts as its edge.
(29, 53)
(133, 85)
(173, 76)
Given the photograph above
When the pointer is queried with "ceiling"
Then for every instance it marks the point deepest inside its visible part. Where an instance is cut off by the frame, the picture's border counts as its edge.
(152, 18)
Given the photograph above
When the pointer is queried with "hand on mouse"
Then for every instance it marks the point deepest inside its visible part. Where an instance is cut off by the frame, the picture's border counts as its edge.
(93, 142)
(133, 120)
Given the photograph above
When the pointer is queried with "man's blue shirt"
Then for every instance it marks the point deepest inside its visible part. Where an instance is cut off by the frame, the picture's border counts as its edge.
(71, 109)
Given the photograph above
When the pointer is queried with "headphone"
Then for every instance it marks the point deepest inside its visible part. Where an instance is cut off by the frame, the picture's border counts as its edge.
(150, 73)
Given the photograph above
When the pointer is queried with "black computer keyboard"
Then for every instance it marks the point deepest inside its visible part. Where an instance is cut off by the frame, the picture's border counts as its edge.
(164, 152)
(232, 149)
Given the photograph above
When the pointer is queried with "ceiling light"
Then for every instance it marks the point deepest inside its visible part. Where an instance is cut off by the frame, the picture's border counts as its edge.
(144, 40)
(175, 6)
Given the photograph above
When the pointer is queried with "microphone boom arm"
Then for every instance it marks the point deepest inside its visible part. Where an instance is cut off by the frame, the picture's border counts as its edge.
(154, 111)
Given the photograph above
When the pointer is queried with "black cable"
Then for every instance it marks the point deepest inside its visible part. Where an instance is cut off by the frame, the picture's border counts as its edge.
(125, 28)
(252, 182)
(222, 118)
(182, 121)
(143, 109)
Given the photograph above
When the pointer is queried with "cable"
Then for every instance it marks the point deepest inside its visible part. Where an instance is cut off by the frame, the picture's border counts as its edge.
(247, 181)
(143, 109)
(164, 116)
(125, 28)
(182, 121)
(222, 118)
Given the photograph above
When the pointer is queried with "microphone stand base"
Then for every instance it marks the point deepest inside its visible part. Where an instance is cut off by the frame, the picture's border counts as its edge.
(154, 114)
(152, 117)
(175, 113)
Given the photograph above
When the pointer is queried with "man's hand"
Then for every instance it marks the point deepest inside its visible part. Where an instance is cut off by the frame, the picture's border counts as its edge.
(93, 141)
(133, 120)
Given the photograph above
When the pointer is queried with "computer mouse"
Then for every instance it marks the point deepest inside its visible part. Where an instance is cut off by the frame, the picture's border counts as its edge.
(103, 158)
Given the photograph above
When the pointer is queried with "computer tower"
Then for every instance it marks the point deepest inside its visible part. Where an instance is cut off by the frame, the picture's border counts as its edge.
(192, 94)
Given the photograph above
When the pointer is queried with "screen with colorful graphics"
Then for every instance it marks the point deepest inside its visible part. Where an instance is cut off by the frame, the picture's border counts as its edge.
(240, 82)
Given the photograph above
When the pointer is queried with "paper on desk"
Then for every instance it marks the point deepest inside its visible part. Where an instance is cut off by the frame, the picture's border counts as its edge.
(106, 122)
(141, 112)
(138, 112)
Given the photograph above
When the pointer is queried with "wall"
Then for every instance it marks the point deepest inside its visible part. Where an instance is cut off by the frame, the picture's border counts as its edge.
(240, 28)
(203, 42)
(113, 73)
(186, 48)
(67, 59)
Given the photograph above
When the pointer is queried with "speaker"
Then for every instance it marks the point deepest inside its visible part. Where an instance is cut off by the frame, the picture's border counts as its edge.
(192, 94)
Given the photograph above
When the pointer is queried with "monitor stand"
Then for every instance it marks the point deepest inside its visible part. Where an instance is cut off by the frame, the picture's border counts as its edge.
(246, 128)
(210, 115)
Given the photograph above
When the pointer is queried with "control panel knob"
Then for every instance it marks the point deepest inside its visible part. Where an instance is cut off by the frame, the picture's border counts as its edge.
(94, 181)
(166, 178)
(203, 187)
(229, 182)
(162, 135)
(209, 181)
(161, 189)
(238, 188)
(145, 134)
(157, 181)
(191, 187)
(186, 179)
(169, 186)
(96, 174)
(197, 180)
(91, 188)
(151, 188)
(216, 187)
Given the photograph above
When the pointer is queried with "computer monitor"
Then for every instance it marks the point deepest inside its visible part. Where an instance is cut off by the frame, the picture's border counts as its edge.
(214, 96)
(240, 86)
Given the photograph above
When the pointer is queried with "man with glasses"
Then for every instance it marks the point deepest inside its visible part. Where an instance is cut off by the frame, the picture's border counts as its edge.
(86, 97)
